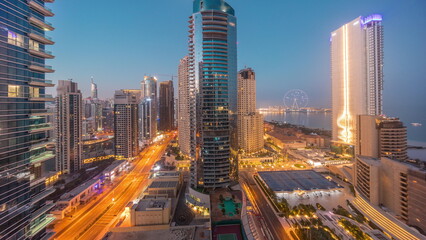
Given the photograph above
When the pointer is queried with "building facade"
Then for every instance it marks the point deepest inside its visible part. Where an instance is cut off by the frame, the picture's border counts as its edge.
(93, 89)
(149, 106)
(126, 124)
(24, 125)
(69, 127)
(249, 121)
(183, 122)
(167, 106)
(379, 136)
(357, 74)
(213, 90)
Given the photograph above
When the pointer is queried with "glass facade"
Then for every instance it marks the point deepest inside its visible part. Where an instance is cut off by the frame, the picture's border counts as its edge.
(213, 90)
(24, 129)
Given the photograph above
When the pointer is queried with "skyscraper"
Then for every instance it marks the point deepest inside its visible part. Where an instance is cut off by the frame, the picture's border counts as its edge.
(250, 122)
(93, 89)
(167, 106)
(213, 90)
(148, 109)
(381, 137)
(69, 127)
(357, 74)
(24, 127)
(183, 107)
(126, 124)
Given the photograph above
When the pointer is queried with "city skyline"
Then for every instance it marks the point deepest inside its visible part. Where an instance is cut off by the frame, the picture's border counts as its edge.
(401, 21)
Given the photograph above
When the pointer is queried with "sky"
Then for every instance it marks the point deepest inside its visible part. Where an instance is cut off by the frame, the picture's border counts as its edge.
(285, 42)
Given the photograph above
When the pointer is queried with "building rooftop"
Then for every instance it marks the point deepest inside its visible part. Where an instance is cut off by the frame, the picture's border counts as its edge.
(219, 5)
(114, 165)
(165, 174)
(152, 204)
(165, 184)
(289, 181)
(78, 190)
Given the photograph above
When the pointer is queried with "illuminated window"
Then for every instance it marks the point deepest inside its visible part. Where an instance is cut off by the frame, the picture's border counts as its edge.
(34, 92)
(34, 45)
(14, 91)
(15, 39)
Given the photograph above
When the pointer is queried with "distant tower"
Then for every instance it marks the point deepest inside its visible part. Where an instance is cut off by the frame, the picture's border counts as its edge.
(183, 107)
(149, 106)
(250, 122)
(94, 89)
(167, 106)
(357, 74)
(69, 127)
(126, 127)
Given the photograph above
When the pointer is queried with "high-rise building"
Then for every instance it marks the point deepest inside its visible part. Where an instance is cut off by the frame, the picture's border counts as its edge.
(69, 127)
(357, 74)
(92, 117)
(167, 106)
(183, 122)
(126, 124)
(24, 128)
(398, 186)
(148, 109)
(379, 136)
(250, 122)
(93, 89)
(213, 90)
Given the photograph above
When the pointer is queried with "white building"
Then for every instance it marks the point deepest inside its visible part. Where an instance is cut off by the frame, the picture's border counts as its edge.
(357, 74)
(69, 128)
(183, 107)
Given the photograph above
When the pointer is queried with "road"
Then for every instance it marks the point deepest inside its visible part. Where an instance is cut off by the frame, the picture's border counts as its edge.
(273, 224)
(98, 219)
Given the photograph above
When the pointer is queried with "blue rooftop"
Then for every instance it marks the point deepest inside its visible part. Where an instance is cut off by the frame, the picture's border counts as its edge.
(219, 5)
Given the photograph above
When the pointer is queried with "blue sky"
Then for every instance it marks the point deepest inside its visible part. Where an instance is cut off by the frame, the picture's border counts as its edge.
(286, 42)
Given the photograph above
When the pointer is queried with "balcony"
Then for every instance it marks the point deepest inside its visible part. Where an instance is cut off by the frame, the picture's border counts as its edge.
(40, 8)
(40, 53)
(45, 25)
(40, 37)
(41, 144)
(43, 224)
(40, 127)
(42, 157)
(42, 98)
(40, 82)
(41, 67)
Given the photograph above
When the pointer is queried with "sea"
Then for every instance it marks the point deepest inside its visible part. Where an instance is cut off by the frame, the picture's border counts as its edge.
(322, 120)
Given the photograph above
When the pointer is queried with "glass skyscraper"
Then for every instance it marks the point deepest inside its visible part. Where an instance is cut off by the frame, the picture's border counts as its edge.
(25, 146)
(212, 89)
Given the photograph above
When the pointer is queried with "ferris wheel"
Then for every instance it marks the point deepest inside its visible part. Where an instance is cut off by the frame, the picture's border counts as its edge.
(296, 99)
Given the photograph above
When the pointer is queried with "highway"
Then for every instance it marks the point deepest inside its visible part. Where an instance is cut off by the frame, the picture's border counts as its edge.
(96, 221)
(273, 224)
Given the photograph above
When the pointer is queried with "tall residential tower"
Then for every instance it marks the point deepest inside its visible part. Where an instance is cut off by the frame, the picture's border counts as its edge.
(148, 108)
(249, 121)
(357, 74)
(24, 124)
(69, 127)
(183, 107)
(167, 106)
(213, 90)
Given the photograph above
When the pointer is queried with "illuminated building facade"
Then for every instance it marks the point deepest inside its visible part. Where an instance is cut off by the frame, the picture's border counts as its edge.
(357, 74)
(167, 106)
(213, 90)
(24, 120)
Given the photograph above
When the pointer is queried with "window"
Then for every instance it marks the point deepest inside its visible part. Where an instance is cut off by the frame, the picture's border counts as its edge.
(14, 91)
(15, 39)
(34, 45)
(34, 92)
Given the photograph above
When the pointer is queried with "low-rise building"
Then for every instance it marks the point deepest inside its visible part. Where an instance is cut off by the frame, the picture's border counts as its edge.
(151, 212)
(115, 168)
(170, 188)
(71, 200)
